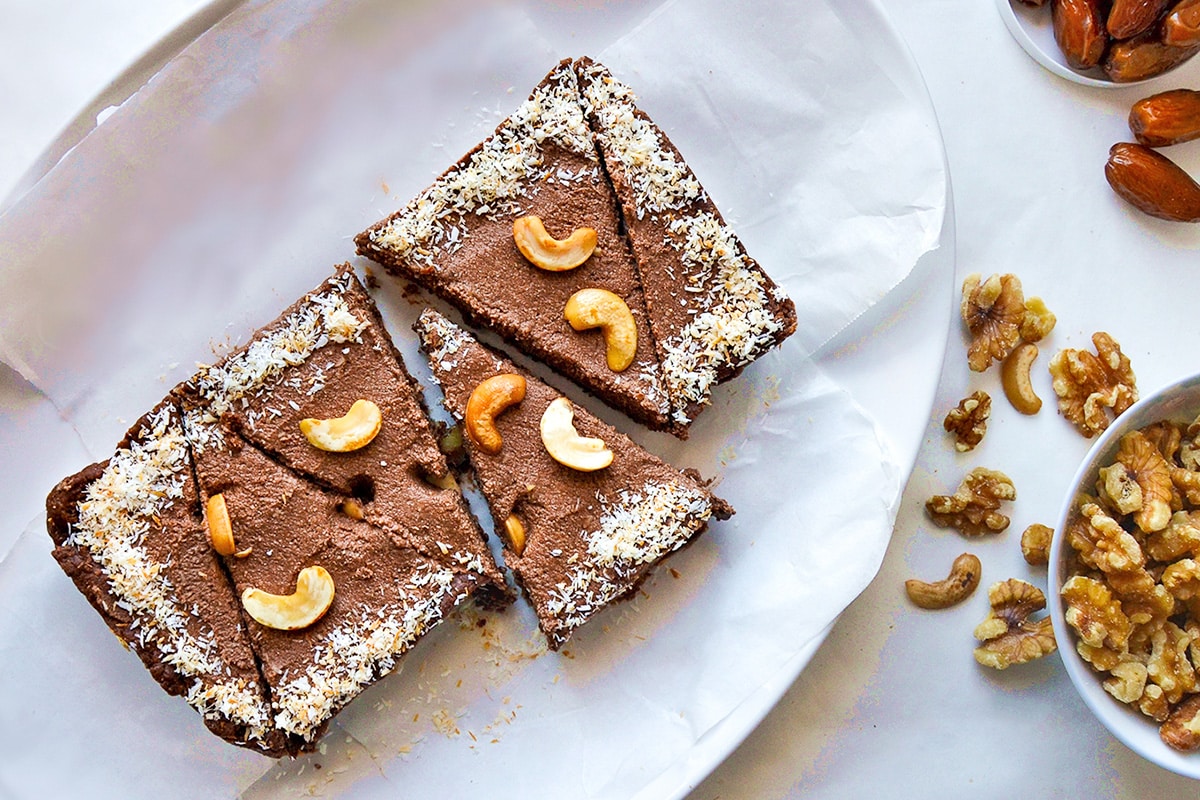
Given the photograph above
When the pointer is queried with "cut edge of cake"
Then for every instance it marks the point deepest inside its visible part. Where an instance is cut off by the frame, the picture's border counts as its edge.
(586, 540)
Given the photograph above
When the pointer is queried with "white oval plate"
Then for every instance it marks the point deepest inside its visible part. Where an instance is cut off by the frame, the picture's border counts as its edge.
(238, 244)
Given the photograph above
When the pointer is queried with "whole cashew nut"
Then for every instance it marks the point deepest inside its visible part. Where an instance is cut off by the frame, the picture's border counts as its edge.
(491, 397)
(600, 308)
(310, 601)
(220, 529)
(354, 430)
(565, 445)
(545, 252)
(963, 579)
(1014, 377)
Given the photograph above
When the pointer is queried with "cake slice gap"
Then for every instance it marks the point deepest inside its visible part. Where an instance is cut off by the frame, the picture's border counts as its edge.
(325, 355)
(129, 533)
(576, 541)
(384, 596)
(712, 309)
(457, 240)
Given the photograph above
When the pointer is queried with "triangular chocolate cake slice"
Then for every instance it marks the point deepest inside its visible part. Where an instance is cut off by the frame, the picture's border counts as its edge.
(128, 532)
(712, 308)
(326, 353)
(383, 597)
(575, 540)
(456, 239)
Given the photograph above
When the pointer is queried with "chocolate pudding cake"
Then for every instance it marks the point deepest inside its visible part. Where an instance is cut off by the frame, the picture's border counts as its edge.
(456, 239)
(712, 308)
(324, 354)
(579, 155)
(280, 529)
(128, 532)
(585, 513)
(384, 596)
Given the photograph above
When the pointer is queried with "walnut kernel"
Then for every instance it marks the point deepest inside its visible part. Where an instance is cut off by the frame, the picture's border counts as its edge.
(1038, 321)
(1008, 635)
(993, 310)
(1089, 385)
(973, 509)
(968, 421)
(1035, 544)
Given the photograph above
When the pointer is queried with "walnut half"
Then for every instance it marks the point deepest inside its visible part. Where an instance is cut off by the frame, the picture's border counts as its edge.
(968, 420)
(993, 310)
(1091, 386)
(1008, 635)
(973, 509)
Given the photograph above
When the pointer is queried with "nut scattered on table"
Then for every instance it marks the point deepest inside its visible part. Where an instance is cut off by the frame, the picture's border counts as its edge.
(1133, 595)
(1038, 320)
(1016, 380)
(1166, 118)
(964, 577)
(973, 509)
(1091, 387)
(1008, 635)
(1152, 183)
(993, 310)
(1035, 544)
(968, 420)
(488, 400)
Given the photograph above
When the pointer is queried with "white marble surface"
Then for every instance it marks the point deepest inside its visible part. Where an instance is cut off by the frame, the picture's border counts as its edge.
(893, 704)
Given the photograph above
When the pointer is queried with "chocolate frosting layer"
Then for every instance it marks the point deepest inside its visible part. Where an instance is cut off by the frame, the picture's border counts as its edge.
(335, 350)
(128, 533)
(456, 240)
(590, 537)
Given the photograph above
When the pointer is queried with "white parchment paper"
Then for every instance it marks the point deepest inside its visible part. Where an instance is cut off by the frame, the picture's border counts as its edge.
(233, 182)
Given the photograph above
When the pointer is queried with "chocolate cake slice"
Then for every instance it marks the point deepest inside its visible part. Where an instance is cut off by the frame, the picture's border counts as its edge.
(128, 532)
(712, 308)
(575, 540)
(320, 357)
(385, 596)
(456, 239)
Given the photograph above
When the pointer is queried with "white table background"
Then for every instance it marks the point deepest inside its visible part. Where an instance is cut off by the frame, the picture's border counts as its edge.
(893, 704)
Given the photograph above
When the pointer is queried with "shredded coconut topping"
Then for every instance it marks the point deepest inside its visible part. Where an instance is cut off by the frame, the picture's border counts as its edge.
(506, 166)
(727, 295)
(321, 319)
(118, 511)
(360, 651)
(659, 180)
(442, 339)
(732, 322)
(637, 528)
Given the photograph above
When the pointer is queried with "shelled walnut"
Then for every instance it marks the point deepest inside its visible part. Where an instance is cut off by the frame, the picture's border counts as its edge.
(993, 310)
(1035, 544)
(1133, 592)
(1008, 635)
(973, 509)
(1090, 386)
(968, 420)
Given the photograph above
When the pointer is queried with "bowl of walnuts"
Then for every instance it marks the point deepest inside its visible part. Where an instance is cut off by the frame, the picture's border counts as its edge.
(1124, 578)
(1105, 43)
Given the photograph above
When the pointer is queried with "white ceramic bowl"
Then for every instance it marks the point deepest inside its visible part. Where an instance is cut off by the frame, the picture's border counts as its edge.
(1032, 29)
(1178, 401)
